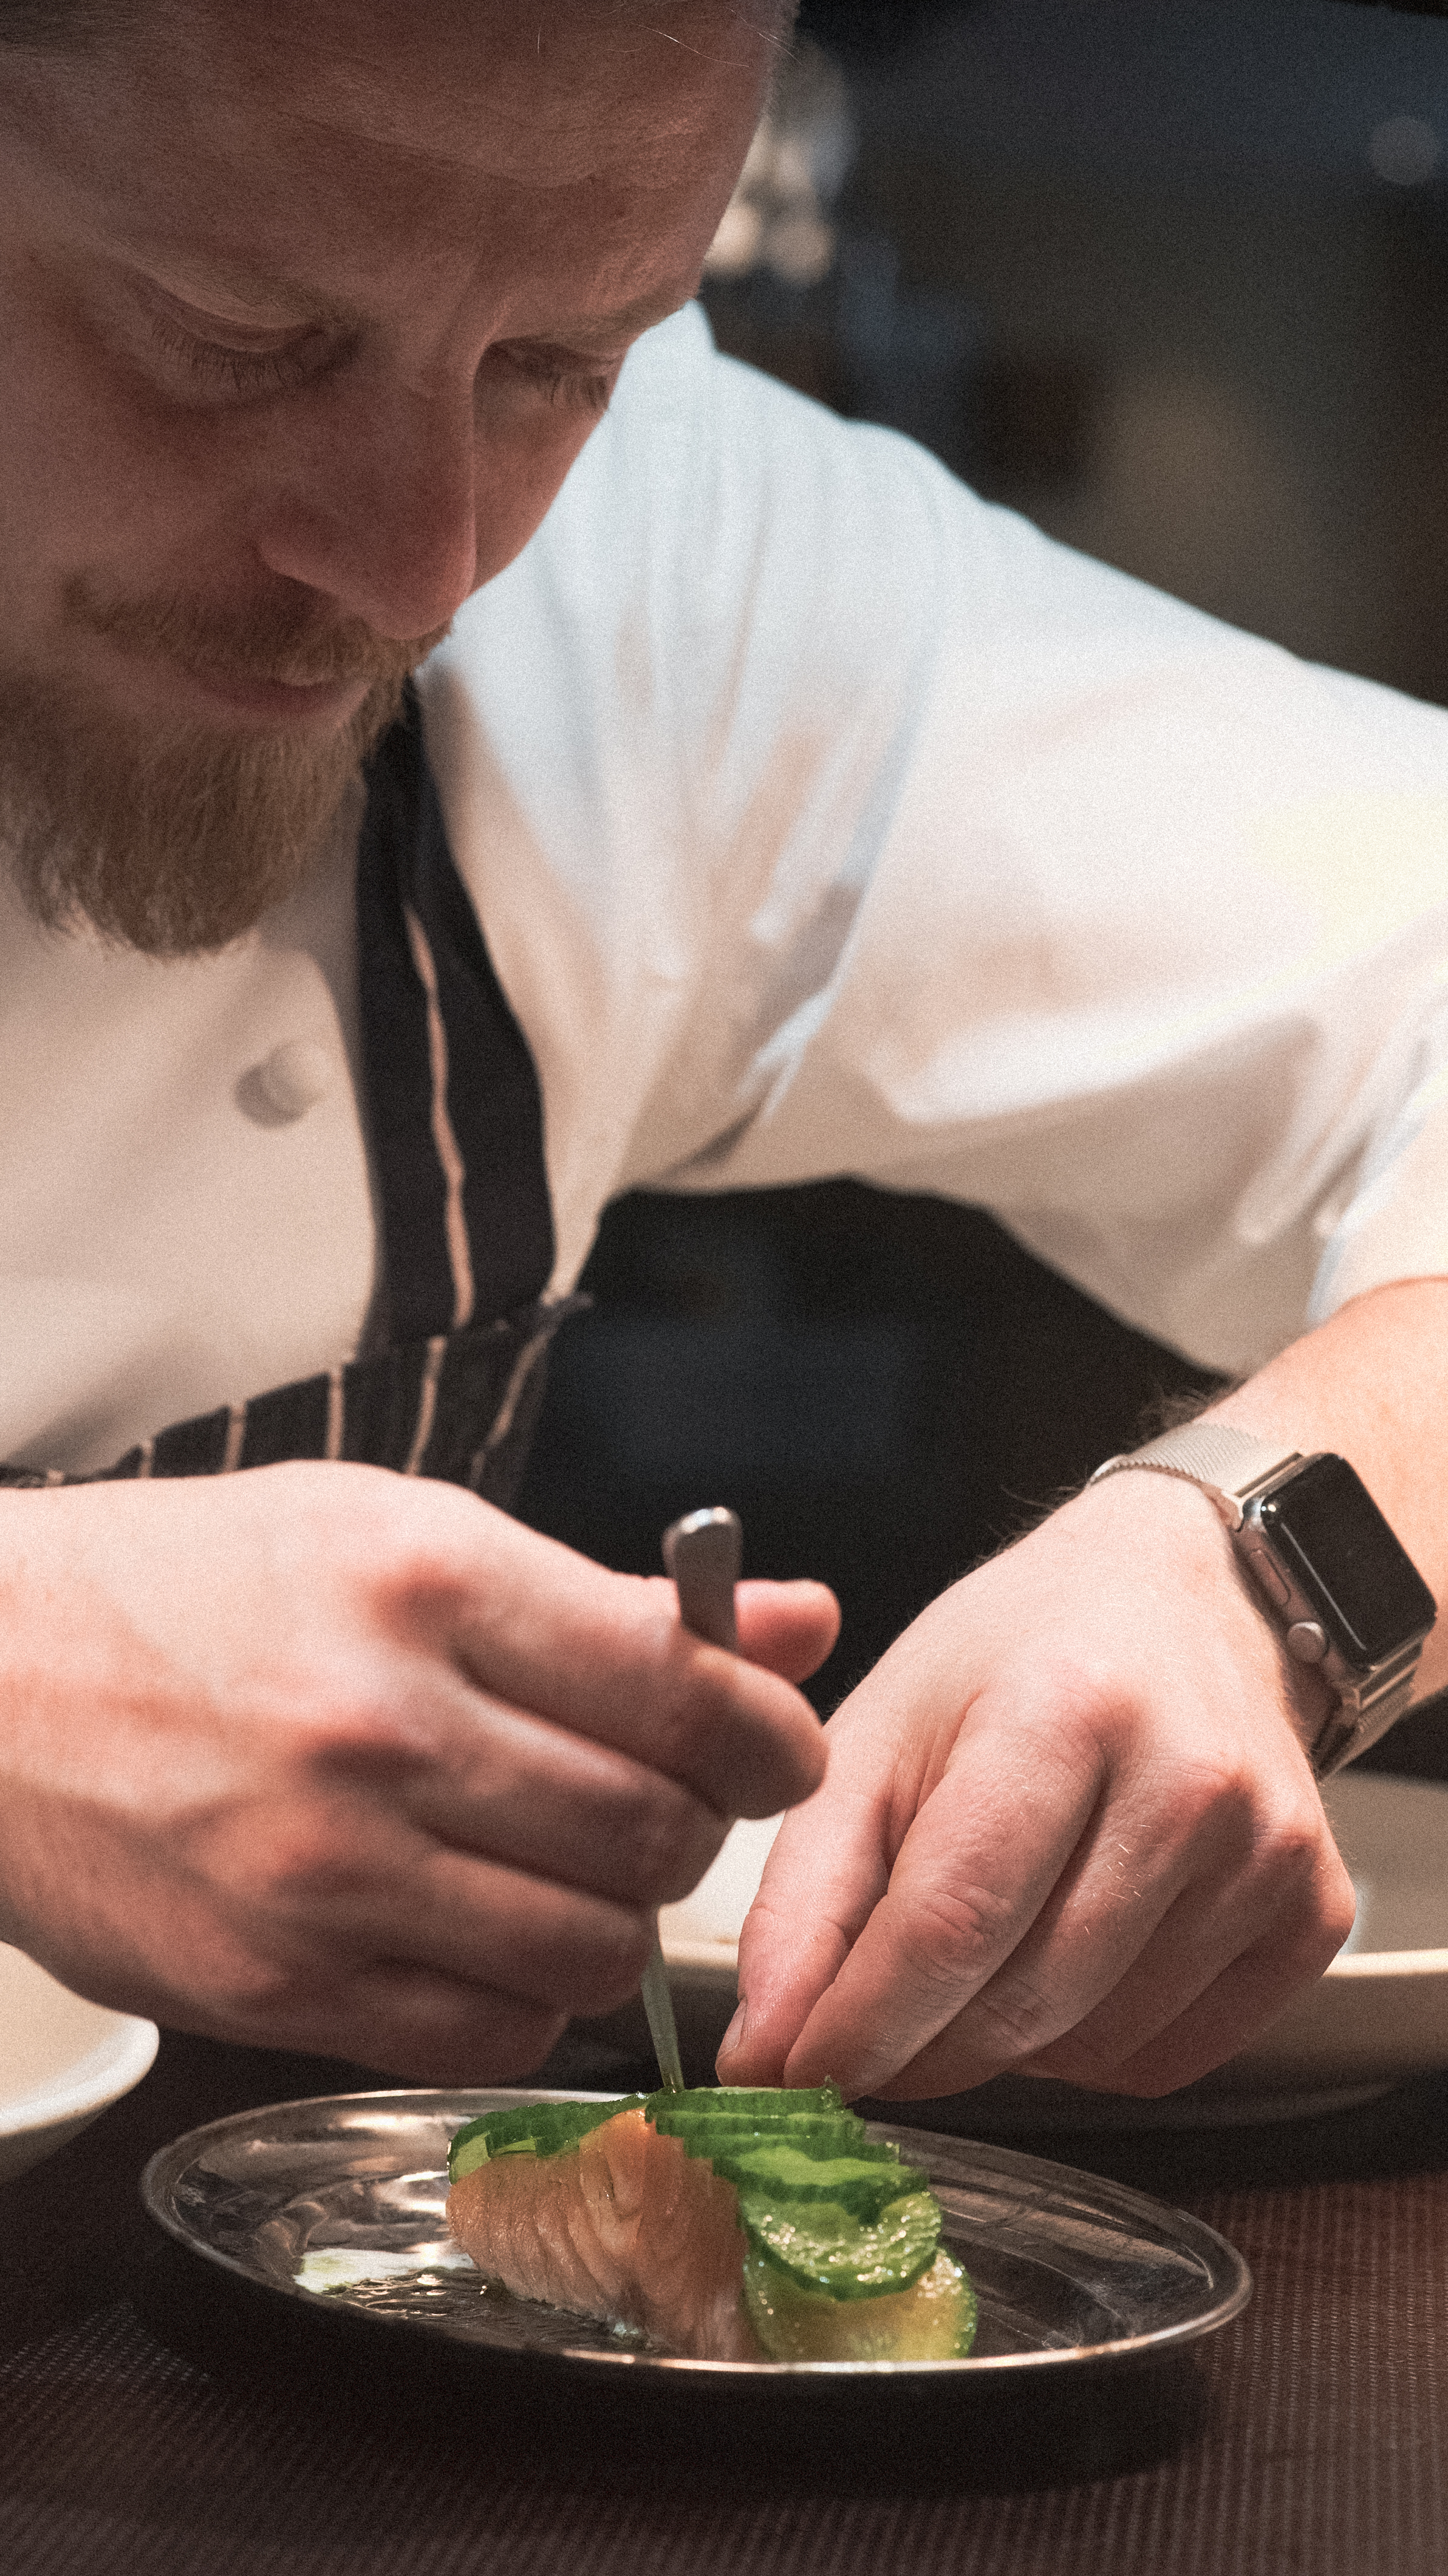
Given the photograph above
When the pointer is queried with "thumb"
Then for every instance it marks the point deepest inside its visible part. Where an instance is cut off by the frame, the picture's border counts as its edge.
(789, 1628)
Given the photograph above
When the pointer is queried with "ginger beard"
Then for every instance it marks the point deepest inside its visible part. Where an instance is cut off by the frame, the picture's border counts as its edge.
(176, 839)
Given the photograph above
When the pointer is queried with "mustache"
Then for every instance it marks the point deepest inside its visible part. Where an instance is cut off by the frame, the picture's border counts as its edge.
(285, 638)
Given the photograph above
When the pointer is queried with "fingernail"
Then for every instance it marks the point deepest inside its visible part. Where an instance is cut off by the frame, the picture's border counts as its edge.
(735, 2032)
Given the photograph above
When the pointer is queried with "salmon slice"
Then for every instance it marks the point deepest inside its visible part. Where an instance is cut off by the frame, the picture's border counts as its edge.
(628, 2226)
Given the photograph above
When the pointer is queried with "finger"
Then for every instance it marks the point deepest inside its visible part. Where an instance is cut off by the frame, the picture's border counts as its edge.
(551, 1945)
(443, 2030)
(828, 1868)
(514, 1788)
(1022, 2017)
(1249, 1878)
(322, 1896)
(1249, 1995)
(1025, 2021)
(1251, 1990)
(404, 2020)
(972, 1875)
(1292, 1923)
(617, 1664)
(790, 1627)
(1128, 1874)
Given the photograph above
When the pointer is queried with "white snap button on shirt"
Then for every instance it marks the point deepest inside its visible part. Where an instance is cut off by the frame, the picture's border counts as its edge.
(169, 1241)
(292, 1079)
(821, 819)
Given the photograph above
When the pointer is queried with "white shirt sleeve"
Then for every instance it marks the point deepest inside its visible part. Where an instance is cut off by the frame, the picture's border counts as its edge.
(823, 819)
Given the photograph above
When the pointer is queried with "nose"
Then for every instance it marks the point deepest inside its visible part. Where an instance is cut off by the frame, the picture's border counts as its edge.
(378, 509)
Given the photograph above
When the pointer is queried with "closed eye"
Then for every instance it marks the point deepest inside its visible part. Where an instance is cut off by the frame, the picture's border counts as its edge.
(573, 383)
(219, 366)
(251, 373)
(233, 360)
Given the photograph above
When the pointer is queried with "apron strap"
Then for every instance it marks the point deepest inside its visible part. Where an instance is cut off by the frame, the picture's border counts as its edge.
(454, 1371)
(454, 1112)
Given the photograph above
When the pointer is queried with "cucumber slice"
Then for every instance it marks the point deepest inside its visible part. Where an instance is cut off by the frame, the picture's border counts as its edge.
(830, 2214)
(744, 2101)
(768, 2105)
(533, 2129)
(779, 2173)
(756, 2124)
(934, 2320)
(551, 2128)
(822, 2247)
(839, 2136)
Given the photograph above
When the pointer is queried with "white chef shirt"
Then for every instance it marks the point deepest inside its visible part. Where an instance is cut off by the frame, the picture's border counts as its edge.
(821, 819)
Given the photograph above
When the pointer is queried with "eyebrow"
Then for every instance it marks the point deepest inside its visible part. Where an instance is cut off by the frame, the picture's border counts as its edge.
(255, 289)
(221, 284)
(638, 316)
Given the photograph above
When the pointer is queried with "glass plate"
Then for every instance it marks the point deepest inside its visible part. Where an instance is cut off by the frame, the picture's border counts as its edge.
(338, 2204)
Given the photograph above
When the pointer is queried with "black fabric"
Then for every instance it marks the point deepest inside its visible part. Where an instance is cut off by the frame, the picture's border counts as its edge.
(447, 1394)
(487, 1386)
(492, 1089)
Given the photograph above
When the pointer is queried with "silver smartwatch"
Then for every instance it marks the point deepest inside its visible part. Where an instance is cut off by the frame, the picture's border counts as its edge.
(1326, 1565)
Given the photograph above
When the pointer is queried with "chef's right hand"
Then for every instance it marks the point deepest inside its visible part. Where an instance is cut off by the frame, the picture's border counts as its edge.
(319, 1757)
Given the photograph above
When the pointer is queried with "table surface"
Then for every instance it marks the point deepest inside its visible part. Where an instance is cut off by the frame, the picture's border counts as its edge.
(1312, 2440)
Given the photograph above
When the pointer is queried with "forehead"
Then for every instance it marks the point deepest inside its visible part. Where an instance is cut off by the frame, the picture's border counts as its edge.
(353, 125)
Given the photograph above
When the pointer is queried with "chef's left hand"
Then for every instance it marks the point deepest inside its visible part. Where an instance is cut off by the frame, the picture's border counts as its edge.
(1068, 1828)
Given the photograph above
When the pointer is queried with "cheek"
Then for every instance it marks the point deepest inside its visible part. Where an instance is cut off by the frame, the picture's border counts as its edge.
(101, 474)
(522, 466)
(92, 475)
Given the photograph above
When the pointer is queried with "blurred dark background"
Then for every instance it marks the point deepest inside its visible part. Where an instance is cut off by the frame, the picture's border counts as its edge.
(1171, 276)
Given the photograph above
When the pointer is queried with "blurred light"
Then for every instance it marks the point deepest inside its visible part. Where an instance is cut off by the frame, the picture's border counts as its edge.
(738, 242)
(1404, 150)
(778, 217)
(801, 248)
(793, 174)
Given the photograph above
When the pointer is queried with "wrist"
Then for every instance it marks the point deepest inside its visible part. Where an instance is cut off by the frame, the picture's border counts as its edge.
(1176, 1529)
(1321, 1561)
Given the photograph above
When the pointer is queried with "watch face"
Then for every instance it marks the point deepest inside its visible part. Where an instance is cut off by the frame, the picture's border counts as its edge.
(1342, 1557)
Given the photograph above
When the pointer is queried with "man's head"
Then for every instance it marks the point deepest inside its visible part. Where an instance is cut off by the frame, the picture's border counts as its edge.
(306, 308)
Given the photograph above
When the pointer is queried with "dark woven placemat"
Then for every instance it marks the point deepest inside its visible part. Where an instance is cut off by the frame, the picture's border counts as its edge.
(1320, 2451)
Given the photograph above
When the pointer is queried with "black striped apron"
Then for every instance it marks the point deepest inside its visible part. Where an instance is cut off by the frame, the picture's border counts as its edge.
(453, 1376)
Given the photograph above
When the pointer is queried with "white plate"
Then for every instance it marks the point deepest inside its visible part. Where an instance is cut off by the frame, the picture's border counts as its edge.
(62, 2061)
(1379, 2014)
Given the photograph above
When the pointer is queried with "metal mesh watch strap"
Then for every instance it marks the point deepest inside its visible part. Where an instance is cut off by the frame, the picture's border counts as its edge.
(1231, 1466)
(1362, 1716)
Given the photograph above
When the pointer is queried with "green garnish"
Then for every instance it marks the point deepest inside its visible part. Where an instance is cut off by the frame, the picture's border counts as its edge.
(831, 2209)
(533, 2129)
(777, 2171)
(824, 2247)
